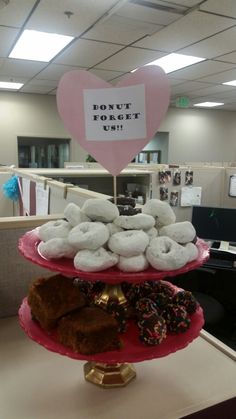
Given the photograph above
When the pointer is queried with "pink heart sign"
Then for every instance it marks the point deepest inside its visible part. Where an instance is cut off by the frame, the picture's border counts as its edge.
(113, 123)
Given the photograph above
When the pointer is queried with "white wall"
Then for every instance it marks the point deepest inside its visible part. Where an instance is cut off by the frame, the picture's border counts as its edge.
(200, 135)
(30, 115)
(160, 141)
(194, 134)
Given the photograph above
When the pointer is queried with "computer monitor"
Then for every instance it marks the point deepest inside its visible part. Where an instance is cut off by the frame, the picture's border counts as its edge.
(215, 224)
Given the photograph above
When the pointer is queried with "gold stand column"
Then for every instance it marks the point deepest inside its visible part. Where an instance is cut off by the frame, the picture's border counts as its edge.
(109, 375)
(116, 374)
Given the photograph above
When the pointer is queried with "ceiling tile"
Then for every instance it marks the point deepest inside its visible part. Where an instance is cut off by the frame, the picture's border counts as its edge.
(116, 80)
(230, 107)
(188, 87)
(229, 58)
(213, 90)
(187, 3)
(53, 92)
(108, 27)
(87, 53)
(21, 68)
(106, 74)
(50, 17)
(56, 71)
(42, 82)
(204, 68)
(221, 7)
(221, 77)
(7, 37)
(121, 30)
(15, 14)
(189, 29)
(174, 81)
(214, 46)
(227, 96)
(147, 14)
(32, 88)
(4, 77)
(129, 58)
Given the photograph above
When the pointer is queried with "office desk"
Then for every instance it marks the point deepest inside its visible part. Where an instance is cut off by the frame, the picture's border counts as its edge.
(37, 384)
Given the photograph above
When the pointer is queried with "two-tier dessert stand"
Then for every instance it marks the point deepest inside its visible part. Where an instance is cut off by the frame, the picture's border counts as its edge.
(114, 368)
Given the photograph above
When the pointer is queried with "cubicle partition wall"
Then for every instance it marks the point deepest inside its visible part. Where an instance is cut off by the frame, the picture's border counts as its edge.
(16, 273)
(183, 186)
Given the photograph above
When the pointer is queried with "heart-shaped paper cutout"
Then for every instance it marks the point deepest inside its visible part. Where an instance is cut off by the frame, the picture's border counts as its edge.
(113, 125)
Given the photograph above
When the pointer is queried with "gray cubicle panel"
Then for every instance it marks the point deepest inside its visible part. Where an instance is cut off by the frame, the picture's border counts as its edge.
(209, 179)
(16, 272)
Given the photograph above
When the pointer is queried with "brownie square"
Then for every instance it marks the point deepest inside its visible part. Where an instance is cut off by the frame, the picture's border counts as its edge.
(89, 330)
(51, 298)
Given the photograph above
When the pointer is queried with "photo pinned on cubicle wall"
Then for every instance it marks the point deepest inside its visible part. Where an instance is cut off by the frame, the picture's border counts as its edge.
(189, 177)
(164, 193)
(161, 177)
(164, 176)
(177, 177)
(174, 198)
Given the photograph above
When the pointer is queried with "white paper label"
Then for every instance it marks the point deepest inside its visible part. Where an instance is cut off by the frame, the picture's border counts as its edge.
(115, 113)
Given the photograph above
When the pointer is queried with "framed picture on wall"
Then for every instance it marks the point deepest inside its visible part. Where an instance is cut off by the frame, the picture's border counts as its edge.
(149, 157)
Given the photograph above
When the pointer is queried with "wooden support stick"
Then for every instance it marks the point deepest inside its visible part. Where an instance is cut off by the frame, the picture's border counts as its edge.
(114, 190)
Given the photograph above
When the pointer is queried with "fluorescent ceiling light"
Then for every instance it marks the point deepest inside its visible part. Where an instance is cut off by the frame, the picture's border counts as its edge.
(39, 46)
(10, 85)
(173, 62)
(208, 104)
(230, 83)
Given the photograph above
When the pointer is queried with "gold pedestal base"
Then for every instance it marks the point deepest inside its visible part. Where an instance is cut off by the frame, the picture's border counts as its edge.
(109, 375)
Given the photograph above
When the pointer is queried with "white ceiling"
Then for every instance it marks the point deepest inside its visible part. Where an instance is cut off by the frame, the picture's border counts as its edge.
(112, 37)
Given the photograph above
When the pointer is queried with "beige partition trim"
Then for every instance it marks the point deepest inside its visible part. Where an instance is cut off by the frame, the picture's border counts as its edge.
(218, 344)
(31, 176)
(13, 223)
(79, 195)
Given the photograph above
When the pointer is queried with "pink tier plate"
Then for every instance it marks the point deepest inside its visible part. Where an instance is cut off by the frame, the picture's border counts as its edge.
(133, 350)
(28, 246)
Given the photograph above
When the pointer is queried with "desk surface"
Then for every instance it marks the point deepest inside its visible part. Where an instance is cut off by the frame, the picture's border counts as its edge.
(38, 384)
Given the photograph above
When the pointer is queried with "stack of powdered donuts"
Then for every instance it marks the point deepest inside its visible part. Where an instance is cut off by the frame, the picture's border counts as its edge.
(101, 235)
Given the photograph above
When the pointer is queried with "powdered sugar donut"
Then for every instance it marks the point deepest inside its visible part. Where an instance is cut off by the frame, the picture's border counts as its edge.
(95, 260)
(56, 248)
(113, 228)
(165, 254)
(128, 243)
(88, 235)
(135, 222)
(160, 210)
(74, 215)
(152, 233)
(192, 251)
(133, 264)
(54, 229)
(100, 210)
(182, 232)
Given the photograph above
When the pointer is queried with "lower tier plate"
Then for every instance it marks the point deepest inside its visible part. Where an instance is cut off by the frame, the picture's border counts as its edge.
(132, 349)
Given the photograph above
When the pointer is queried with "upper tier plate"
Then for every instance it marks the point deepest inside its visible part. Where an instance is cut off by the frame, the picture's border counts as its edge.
(28, 246)
(132, 351)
